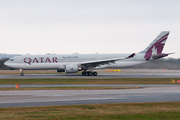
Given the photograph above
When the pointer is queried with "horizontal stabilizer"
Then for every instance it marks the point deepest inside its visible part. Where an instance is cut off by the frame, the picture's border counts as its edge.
(155, 56)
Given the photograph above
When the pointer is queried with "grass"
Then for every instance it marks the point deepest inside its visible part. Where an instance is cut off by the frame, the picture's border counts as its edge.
(120, 111)
(91, 81)
(69, 88)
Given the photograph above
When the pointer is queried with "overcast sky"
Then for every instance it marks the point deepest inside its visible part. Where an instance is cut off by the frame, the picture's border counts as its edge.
(87, 26)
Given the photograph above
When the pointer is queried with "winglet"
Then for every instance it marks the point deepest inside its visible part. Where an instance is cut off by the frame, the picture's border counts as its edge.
(132, 55)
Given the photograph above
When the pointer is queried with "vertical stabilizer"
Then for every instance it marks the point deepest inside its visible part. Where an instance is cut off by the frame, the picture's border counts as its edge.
(156, 47)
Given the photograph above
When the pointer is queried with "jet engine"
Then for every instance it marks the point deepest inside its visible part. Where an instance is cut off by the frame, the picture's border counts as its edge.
(61, 69)
(71, 69)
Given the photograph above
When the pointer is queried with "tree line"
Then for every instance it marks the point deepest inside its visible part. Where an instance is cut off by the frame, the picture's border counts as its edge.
(170, 63)
(2, 66)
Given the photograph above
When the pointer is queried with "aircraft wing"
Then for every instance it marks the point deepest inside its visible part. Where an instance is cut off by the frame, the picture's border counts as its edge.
(104, 61)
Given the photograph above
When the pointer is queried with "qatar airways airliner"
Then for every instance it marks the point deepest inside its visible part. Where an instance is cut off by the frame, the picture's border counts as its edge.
(88, 63)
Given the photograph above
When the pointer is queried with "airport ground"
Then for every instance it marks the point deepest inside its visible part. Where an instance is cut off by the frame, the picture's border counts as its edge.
(123, 73)
(104, 97)
(117, 111)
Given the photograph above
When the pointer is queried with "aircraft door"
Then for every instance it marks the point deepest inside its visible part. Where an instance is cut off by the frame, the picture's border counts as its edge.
(18, 60)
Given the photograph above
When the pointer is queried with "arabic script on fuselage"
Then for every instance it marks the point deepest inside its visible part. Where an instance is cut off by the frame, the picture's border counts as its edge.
(69, 57)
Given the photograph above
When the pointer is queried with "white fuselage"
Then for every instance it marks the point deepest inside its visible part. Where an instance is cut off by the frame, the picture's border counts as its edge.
(72, 63)
(51, 62)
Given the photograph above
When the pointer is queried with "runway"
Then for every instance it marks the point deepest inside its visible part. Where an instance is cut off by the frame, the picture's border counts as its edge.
(100, 75)
(119, 85)
(29, 98)
(146, 93)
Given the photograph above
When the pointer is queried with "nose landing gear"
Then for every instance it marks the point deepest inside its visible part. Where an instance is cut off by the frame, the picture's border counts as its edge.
(21, 71)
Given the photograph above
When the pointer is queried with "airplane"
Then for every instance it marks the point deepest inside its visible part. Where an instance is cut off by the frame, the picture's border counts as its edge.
(88, 63)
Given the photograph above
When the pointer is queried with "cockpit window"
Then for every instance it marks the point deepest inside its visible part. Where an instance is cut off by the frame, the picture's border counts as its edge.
(11, 59)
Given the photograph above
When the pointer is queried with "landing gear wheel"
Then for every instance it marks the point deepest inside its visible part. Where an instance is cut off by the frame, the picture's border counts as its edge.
(89, 73)
(84, 73)
(95, 73)
(22, 74)
(21, 71)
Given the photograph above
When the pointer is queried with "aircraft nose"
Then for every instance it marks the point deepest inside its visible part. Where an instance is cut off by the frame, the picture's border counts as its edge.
(5, 63)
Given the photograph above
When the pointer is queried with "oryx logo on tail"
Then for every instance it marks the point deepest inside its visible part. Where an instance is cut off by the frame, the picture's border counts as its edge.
(156, 47)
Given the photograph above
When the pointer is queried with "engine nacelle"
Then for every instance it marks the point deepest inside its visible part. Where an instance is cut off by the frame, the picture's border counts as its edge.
(71, 69)
(61, 69)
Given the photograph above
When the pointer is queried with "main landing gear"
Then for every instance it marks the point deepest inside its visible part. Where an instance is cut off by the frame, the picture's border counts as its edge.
(21, 71)
(89, 73)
